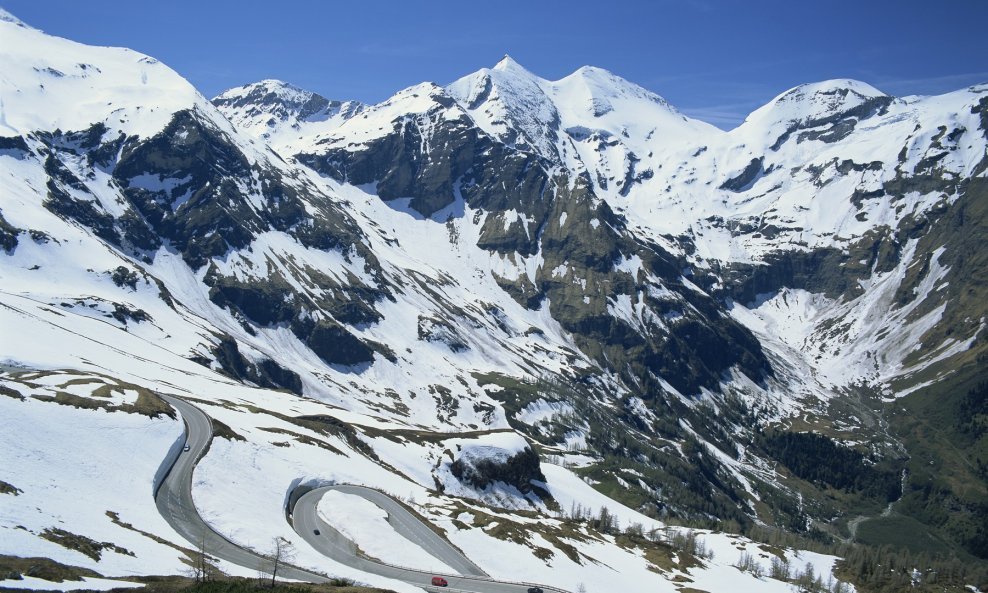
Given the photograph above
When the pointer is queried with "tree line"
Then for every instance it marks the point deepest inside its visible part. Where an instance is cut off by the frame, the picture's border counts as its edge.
(821, 461)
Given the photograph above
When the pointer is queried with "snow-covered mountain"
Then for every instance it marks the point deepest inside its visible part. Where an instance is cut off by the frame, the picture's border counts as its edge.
(497, 268)
(273, 109)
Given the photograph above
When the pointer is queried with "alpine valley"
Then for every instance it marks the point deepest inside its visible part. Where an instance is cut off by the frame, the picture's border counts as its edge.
(588, 341)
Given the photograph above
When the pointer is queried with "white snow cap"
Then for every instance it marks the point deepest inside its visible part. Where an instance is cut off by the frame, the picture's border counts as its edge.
(53, 83)
(520, 108)
(508, 64)
(836, 94)
(817, 99)
(285, 91)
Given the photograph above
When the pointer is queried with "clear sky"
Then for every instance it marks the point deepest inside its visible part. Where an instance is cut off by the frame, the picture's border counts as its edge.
(716, 60)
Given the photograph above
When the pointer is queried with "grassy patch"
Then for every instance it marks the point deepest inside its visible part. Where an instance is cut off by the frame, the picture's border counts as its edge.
(12, 567)
(900, 531)
(253, 586)
(116, 521)
(325, 425)
(662, 557)
(515, 393)
(4, 390)
(147, 402)
(423, 436)
(222, 431)
(179, 584)
(947, 439)
(304, 439)
(81, 543)
(557, 533)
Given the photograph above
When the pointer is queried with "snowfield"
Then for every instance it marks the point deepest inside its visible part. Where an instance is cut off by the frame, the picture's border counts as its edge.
(366, 524)
(238, 480)
(87, 584)
(92, 329)
(59, 457)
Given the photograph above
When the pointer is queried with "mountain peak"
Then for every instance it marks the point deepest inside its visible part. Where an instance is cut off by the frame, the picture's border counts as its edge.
(270, 90)
(274, 97)
(603, 84)
(508, 64)
(817, 101)
(589, 70)
(833, 87)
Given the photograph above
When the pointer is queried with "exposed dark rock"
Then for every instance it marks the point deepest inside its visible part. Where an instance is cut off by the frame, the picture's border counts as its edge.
(266, 373)
(123, 276)
(746, 178)
(8, 235)
(836, 132)
(981, 108)
(522, 290)
(193, 168)
(84, 211)
(265, 301)
(400, 169)
(14, 146)
(263, 98)
(435, 329)
(842, 122)
(501, 181)
(335, 344)
(688, 352)
(519, 470)
(124, 313)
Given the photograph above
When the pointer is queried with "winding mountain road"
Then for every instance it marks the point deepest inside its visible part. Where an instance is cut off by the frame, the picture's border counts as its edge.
(306, 520)
(174, 501)
(173, 498)
(330, 542)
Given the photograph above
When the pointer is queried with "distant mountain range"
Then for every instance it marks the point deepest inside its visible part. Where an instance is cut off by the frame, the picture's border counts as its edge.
(665, 309)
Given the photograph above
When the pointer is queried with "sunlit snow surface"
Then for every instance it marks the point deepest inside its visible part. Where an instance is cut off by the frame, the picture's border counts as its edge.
(366, 524)
(87, 584)
(662, 171)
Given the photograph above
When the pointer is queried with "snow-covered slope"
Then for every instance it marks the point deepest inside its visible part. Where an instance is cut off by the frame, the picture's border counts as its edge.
(835, 166)
(175, 253)
(809, 168)
(432, 294)
(590, 120)
(276, 111)
(51, 83)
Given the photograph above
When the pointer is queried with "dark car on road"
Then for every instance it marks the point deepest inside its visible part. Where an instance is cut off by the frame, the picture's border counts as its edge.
(535, 590)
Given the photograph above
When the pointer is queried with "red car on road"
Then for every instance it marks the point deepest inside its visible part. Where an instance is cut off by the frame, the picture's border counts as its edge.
(439, 582)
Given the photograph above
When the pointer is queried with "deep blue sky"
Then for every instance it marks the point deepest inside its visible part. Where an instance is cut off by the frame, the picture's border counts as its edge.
(714, 59)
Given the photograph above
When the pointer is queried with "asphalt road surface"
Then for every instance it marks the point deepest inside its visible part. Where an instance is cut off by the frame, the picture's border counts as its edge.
(174, 501)
(333, 544)
(405, 523)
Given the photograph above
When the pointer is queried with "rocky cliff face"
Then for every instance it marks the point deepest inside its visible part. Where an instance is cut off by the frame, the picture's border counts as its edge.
(520, 470)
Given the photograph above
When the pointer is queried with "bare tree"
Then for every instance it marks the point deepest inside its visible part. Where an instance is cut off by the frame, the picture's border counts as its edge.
(780, 569)
(202, 566)
(635, 530)
(282, 552)
(749, 563)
